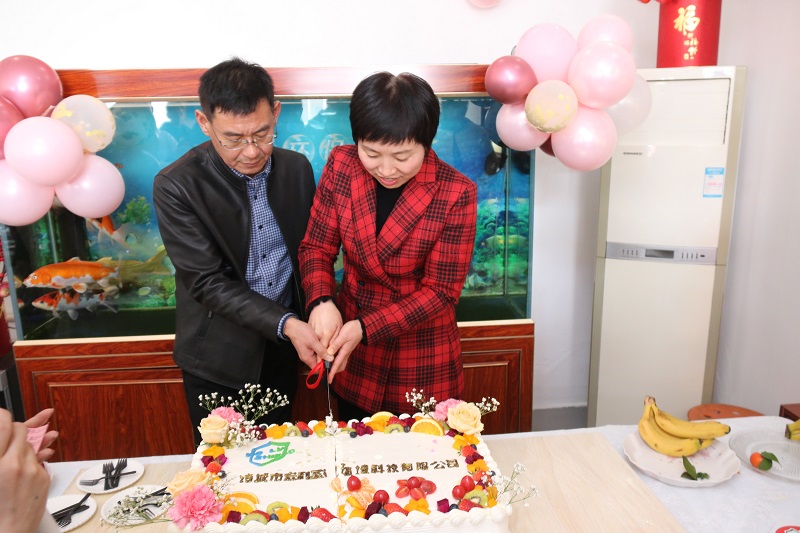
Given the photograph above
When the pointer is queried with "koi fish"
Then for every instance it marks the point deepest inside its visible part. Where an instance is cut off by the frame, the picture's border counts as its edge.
(75, 274)
(496, 242)
(130, 270)
(105, 227)
(71, 301)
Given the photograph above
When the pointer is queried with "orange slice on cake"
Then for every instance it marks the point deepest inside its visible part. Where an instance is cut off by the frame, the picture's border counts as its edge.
(243, 502)
(429, 426)
(381, 416)
(248, 496)
(379, 420)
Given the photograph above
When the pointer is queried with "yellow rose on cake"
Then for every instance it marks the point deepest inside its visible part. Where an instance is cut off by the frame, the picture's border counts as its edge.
(188, 479)
(213, 429)
(465, 418)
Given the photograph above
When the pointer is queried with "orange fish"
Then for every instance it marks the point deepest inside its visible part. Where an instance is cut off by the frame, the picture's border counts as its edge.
(105, 227)
(75, 273)
(70, 302)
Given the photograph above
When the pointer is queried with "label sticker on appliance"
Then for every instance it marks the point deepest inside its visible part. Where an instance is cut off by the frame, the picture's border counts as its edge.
(713, 182)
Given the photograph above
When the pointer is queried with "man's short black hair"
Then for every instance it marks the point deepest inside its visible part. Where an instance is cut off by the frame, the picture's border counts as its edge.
(235, 86)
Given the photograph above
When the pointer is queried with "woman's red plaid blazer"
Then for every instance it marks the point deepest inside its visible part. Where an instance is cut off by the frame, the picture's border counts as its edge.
(403, 284)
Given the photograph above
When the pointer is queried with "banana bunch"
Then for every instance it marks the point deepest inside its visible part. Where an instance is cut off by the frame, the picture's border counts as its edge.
(674, 436)
(793, 430)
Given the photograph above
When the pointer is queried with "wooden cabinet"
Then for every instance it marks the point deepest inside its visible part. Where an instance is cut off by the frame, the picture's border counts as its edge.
(114, 397)
(498, 362)
(123, 397)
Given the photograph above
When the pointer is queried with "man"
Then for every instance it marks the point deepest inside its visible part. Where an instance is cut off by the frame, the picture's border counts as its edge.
(232, 212)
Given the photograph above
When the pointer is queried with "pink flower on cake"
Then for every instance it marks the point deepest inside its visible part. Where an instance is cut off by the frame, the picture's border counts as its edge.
(465, 418)
(440, 413)
(186, 480)
(230, 415)
(213, 429)
(195, 508)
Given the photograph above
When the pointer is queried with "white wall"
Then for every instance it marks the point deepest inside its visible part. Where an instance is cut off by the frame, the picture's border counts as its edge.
(757, 358)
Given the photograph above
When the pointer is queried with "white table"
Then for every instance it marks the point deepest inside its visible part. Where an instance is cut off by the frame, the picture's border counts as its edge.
(750, 502)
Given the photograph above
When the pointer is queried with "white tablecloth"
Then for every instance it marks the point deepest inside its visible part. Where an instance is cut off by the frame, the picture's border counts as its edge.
(750, 502)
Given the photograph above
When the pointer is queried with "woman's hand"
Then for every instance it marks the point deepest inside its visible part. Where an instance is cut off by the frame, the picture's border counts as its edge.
(25, 481)
(343, 345)
(326, 320)
(39, 419)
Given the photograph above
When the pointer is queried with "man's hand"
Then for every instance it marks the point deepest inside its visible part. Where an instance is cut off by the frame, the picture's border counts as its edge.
(343, 345)
(326, 320)
(305, 341)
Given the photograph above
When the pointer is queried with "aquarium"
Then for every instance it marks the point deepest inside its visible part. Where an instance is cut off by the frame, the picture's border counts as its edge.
(134, 289)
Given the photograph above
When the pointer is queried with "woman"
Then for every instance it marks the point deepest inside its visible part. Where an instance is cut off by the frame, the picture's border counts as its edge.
(406, 222)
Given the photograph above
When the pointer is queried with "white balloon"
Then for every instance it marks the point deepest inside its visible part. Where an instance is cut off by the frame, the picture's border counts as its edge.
(630, 112)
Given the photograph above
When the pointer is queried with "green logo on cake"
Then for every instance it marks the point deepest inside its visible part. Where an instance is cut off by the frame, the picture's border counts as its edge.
(269, 453)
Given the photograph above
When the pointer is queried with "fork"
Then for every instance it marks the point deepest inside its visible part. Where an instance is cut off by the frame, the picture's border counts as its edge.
(67, 518)
(89, 482)
(155, 494)
(115, 474)
(107, 468)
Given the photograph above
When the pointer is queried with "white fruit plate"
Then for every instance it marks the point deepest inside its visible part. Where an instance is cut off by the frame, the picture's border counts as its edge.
(718, 461)
(787, 451)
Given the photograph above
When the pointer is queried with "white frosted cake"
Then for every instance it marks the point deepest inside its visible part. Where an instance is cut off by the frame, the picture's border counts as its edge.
(387, 473)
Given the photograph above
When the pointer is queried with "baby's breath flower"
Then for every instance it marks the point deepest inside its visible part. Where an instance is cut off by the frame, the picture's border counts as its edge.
(138, 509)
(509, 490)
(251, 404)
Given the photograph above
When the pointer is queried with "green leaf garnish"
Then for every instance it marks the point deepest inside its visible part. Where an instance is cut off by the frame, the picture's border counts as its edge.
(770, 456)
(691, 472)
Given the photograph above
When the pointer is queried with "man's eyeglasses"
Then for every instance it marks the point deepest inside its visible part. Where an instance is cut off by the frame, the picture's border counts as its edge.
(241, 144)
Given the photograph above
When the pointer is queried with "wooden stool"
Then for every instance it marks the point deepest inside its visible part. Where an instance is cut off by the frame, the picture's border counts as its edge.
(719, 410)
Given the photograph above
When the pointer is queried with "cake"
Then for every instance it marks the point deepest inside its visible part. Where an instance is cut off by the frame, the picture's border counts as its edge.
(385, 473)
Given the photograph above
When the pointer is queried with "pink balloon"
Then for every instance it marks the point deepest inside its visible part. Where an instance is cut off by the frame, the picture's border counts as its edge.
(602, 74)
(484, 4)
(30, 84)
(96, 191)
(44, 150)
(515, 131)
(509, 79)
(606, 28)
(629, 113)
(548, 49)
(21, 202)
(9, 115)
(588, 142)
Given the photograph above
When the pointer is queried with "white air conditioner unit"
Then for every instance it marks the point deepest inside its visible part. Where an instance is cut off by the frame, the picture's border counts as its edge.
(666, 204)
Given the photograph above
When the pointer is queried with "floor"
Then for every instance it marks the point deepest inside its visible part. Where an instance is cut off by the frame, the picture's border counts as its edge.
(561, 418)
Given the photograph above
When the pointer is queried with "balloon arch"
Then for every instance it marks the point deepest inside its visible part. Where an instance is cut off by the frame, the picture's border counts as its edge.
(48, 146)
(570, 97)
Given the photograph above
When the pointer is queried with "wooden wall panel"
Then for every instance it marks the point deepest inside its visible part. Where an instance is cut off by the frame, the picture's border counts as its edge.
(155, 84)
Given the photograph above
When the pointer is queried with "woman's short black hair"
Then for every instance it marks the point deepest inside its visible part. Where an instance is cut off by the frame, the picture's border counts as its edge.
(235, 86)
(393, 109)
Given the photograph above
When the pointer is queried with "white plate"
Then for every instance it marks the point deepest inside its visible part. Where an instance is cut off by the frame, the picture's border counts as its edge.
(718, 461)
(140, 490)
(787, 451)
(78, 519)
(125, 481)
